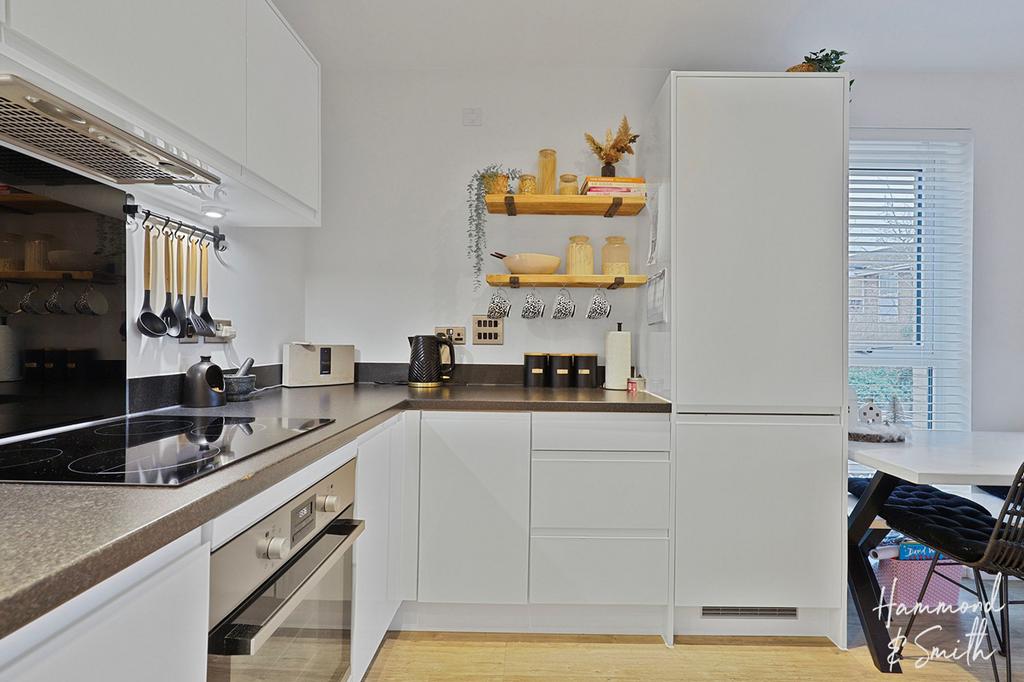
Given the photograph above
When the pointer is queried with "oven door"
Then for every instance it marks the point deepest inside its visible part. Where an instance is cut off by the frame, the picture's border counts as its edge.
(298, 625)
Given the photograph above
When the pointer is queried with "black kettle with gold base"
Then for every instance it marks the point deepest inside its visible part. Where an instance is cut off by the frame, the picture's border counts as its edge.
(426, 370)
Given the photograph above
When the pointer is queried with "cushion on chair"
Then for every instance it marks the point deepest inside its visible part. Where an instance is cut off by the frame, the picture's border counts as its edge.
(949, 523)
(1000, 491)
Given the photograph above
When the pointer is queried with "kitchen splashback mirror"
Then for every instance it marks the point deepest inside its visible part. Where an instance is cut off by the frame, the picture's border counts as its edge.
(62, 297)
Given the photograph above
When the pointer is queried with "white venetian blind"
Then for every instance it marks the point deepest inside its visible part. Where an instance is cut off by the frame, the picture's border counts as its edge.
(910, 273)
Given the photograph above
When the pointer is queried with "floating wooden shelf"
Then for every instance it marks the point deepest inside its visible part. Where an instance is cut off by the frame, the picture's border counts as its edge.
(564, 204)
(29, 204)
(53, 276)
(568, 281)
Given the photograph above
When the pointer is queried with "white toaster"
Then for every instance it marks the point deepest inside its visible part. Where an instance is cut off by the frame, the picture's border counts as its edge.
(318, 364)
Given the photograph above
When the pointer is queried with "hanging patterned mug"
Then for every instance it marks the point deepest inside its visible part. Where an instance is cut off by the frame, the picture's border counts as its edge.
(533, 306)
(499, 307)
(563, 307)
(599, 306)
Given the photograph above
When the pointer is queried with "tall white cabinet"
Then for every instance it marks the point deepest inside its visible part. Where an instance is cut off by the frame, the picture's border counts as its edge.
(758, 354)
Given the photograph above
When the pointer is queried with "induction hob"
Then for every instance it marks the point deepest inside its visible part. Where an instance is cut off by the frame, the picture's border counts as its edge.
(164, 450)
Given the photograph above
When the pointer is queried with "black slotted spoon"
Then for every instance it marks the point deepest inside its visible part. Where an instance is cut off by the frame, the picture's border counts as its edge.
(198, 323)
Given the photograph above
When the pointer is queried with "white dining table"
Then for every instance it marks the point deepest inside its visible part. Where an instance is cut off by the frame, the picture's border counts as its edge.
(928, 457)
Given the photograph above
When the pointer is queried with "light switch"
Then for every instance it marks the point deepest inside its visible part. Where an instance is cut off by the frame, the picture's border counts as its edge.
(488, 332)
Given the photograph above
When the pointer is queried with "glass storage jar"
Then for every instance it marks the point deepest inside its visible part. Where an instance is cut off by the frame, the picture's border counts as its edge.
(567, 184)
(579, 257)
(527, 184)
(37, 250)
(547, 169)
(12, 251)
(615, 257)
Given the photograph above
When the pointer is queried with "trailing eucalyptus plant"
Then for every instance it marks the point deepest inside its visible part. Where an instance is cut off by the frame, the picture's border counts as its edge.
(476, 231)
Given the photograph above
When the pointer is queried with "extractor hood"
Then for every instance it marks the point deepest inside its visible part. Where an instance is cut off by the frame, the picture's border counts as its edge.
(40, 123)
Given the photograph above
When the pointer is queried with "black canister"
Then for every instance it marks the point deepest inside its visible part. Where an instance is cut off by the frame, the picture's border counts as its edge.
(535, 367)
(585, 370)
(560, 370)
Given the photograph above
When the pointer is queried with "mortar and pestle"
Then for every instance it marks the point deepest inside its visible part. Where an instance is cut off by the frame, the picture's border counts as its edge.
(241, 385)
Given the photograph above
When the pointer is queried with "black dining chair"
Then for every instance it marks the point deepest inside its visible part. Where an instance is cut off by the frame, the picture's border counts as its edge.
(962, 532)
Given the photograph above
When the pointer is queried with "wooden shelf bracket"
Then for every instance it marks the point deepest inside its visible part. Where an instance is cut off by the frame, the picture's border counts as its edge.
(612, 210)
(513, 282)
(619, 281)
(510, 204)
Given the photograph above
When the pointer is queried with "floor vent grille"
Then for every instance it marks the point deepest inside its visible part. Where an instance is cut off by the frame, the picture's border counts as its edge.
(782, 612)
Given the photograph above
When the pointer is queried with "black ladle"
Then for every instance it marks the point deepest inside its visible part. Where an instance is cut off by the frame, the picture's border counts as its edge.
(167, 315)
(149, 323)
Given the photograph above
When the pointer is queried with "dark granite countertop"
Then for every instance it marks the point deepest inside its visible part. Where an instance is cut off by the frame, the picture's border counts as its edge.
(60, 540)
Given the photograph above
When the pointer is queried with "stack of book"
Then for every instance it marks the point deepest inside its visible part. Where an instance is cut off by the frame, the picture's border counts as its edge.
(595, 184)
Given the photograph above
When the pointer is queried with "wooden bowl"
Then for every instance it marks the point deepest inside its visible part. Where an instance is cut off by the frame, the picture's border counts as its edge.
(532, 264)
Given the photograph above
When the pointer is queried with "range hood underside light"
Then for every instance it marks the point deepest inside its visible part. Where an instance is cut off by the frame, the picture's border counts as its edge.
(46, 125)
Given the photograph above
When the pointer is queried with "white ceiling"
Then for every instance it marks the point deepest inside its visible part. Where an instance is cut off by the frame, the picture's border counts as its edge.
(880, 35)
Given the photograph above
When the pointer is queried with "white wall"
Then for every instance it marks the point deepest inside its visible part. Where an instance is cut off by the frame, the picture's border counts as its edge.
(992, 105)
(259, 287)
(391, 258)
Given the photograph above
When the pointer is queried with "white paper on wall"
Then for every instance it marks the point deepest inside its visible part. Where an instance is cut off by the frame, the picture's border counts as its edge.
(652, 210)
(656, 284)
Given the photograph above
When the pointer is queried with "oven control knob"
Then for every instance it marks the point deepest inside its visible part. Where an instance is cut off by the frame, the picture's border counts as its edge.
(328, 503)
(275, 548)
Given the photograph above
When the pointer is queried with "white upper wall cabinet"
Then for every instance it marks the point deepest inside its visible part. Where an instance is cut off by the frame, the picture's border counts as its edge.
(283, 105)
(182, 60)
(760, 243)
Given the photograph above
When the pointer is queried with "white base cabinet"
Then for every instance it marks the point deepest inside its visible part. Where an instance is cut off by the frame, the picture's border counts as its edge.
(148, 622)
(759, 511)
(599, 570)
(600, 502)
(377, 557)
(474, 507)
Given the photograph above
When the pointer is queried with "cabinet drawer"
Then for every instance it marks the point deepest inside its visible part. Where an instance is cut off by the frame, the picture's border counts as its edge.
(600, 494)
(599, 571)
(600, 431)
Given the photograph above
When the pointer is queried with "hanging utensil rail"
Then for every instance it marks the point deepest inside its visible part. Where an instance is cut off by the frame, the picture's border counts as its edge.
(213, 236)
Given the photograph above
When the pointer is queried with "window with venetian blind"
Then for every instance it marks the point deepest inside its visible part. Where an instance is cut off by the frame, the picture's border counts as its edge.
(910, 273)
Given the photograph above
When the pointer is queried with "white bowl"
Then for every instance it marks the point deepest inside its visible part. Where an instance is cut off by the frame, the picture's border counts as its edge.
(532, 263)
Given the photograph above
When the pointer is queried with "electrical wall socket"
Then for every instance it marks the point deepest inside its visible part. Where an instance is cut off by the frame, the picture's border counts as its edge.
(456, 334)
(488, 332)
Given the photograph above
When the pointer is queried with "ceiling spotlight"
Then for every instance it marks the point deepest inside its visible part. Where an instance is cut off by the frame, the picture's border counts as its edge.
(214, 212)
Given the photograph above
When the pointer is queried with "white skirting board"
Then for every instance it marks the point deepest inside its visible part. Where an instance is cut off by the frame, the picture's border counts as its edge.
(533, 618)
(808, 623)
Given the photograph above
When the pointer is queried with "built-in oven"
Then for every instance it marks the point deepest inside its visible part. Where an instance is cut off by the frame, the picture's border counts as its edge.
(281, 591)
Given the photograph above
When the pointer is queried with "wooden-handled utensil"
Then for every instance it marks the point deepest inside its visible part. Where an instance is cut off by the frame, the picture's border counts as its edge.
(148, 322)
(204, 279)
(198, 323)
(179, 302)
(167, 314)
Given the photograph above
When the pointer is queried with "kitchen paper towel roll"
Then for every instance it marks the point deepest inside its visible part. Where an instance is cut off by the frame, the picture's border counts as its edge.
(618, 354)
